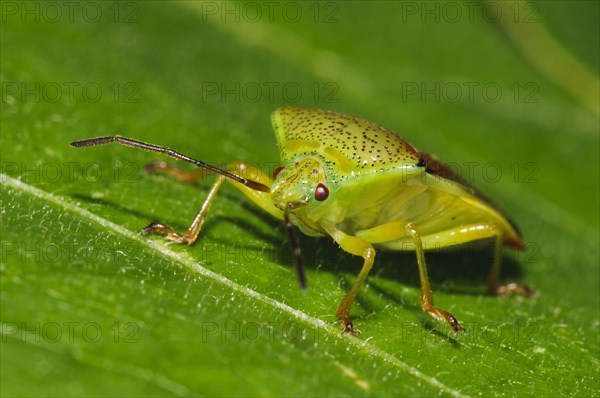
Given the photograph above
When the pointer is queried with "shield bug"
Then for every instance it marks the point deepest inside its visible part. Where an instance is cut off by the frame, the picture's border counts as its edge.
(360, 184)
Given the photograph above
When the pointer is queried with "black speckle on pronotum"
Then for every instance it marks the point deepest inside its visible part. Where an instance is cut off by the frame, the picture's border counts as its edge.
(366, 145)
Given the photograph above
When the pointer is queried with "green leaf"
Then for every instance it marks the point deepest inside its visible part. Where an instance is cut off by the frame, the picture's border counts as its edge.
(91, 307)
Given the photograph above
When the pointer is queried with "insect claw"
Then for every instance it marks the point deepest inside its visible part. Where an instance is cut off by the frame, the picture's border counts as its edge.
(514, 288)
(349, 327)
(152, 227)
(158, 228)
(447, 317)
(456, 328)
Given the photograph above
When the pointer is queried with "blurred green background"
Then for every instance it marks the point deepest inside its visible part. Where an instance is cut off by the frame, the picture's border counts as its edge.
(506, 92)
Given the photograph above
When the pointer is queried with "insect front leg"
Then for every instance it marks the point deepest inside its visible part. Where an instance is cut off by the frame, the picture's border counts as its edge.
(257, 189)
(238, 168)
(193, 231)
(358, 247)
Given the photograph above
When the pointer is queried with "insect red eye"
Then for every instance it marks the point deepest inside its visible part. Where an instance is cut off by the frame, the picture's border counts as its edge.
(277, 171)
(321, 193)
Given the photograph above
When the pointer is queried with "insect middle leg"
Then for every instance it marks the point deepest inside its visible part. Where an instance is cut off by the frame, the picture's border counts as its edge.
(426, 294)
(399, 229)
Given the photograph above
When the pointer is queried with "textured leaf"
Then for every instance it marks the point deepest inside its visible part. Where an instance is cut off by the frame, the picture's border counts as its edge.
(91, 307)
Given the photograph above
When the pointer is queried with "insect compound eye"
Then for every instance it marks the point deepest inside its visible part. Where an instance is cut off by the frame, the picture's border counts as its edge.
(277, 171)
(321, 192)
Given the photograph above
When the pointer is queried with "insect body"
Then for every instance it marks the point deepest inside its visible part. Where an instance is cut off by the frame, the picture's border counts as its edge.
(362, 185)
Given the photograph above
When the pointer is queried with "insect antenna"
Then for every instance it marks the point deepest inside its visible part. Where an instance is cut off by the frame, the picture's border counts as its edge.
(169, 152)
(295, 243)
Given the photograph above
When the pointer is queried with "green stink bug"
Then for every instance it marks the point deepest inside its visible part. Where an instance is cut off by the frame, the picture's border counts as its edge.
(360, 184)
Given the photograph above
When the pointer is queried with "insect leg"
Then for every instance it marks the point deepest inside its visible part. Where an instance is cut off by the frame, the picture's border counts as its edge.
(494, 275)
(260, 198)
(238, 168)
(426, 295)
(358, 247)
(192, 232)
(396, 230)
(293, 239)
(176, 172)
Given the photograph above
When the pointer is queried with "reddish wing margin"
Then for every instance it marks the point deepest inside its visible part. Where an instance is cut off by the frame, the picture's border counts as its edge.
(434, 167)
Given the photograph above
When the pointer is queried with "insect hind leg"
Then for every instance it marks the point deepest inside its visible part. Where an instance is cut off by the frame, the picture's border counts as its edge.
(494, 275)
